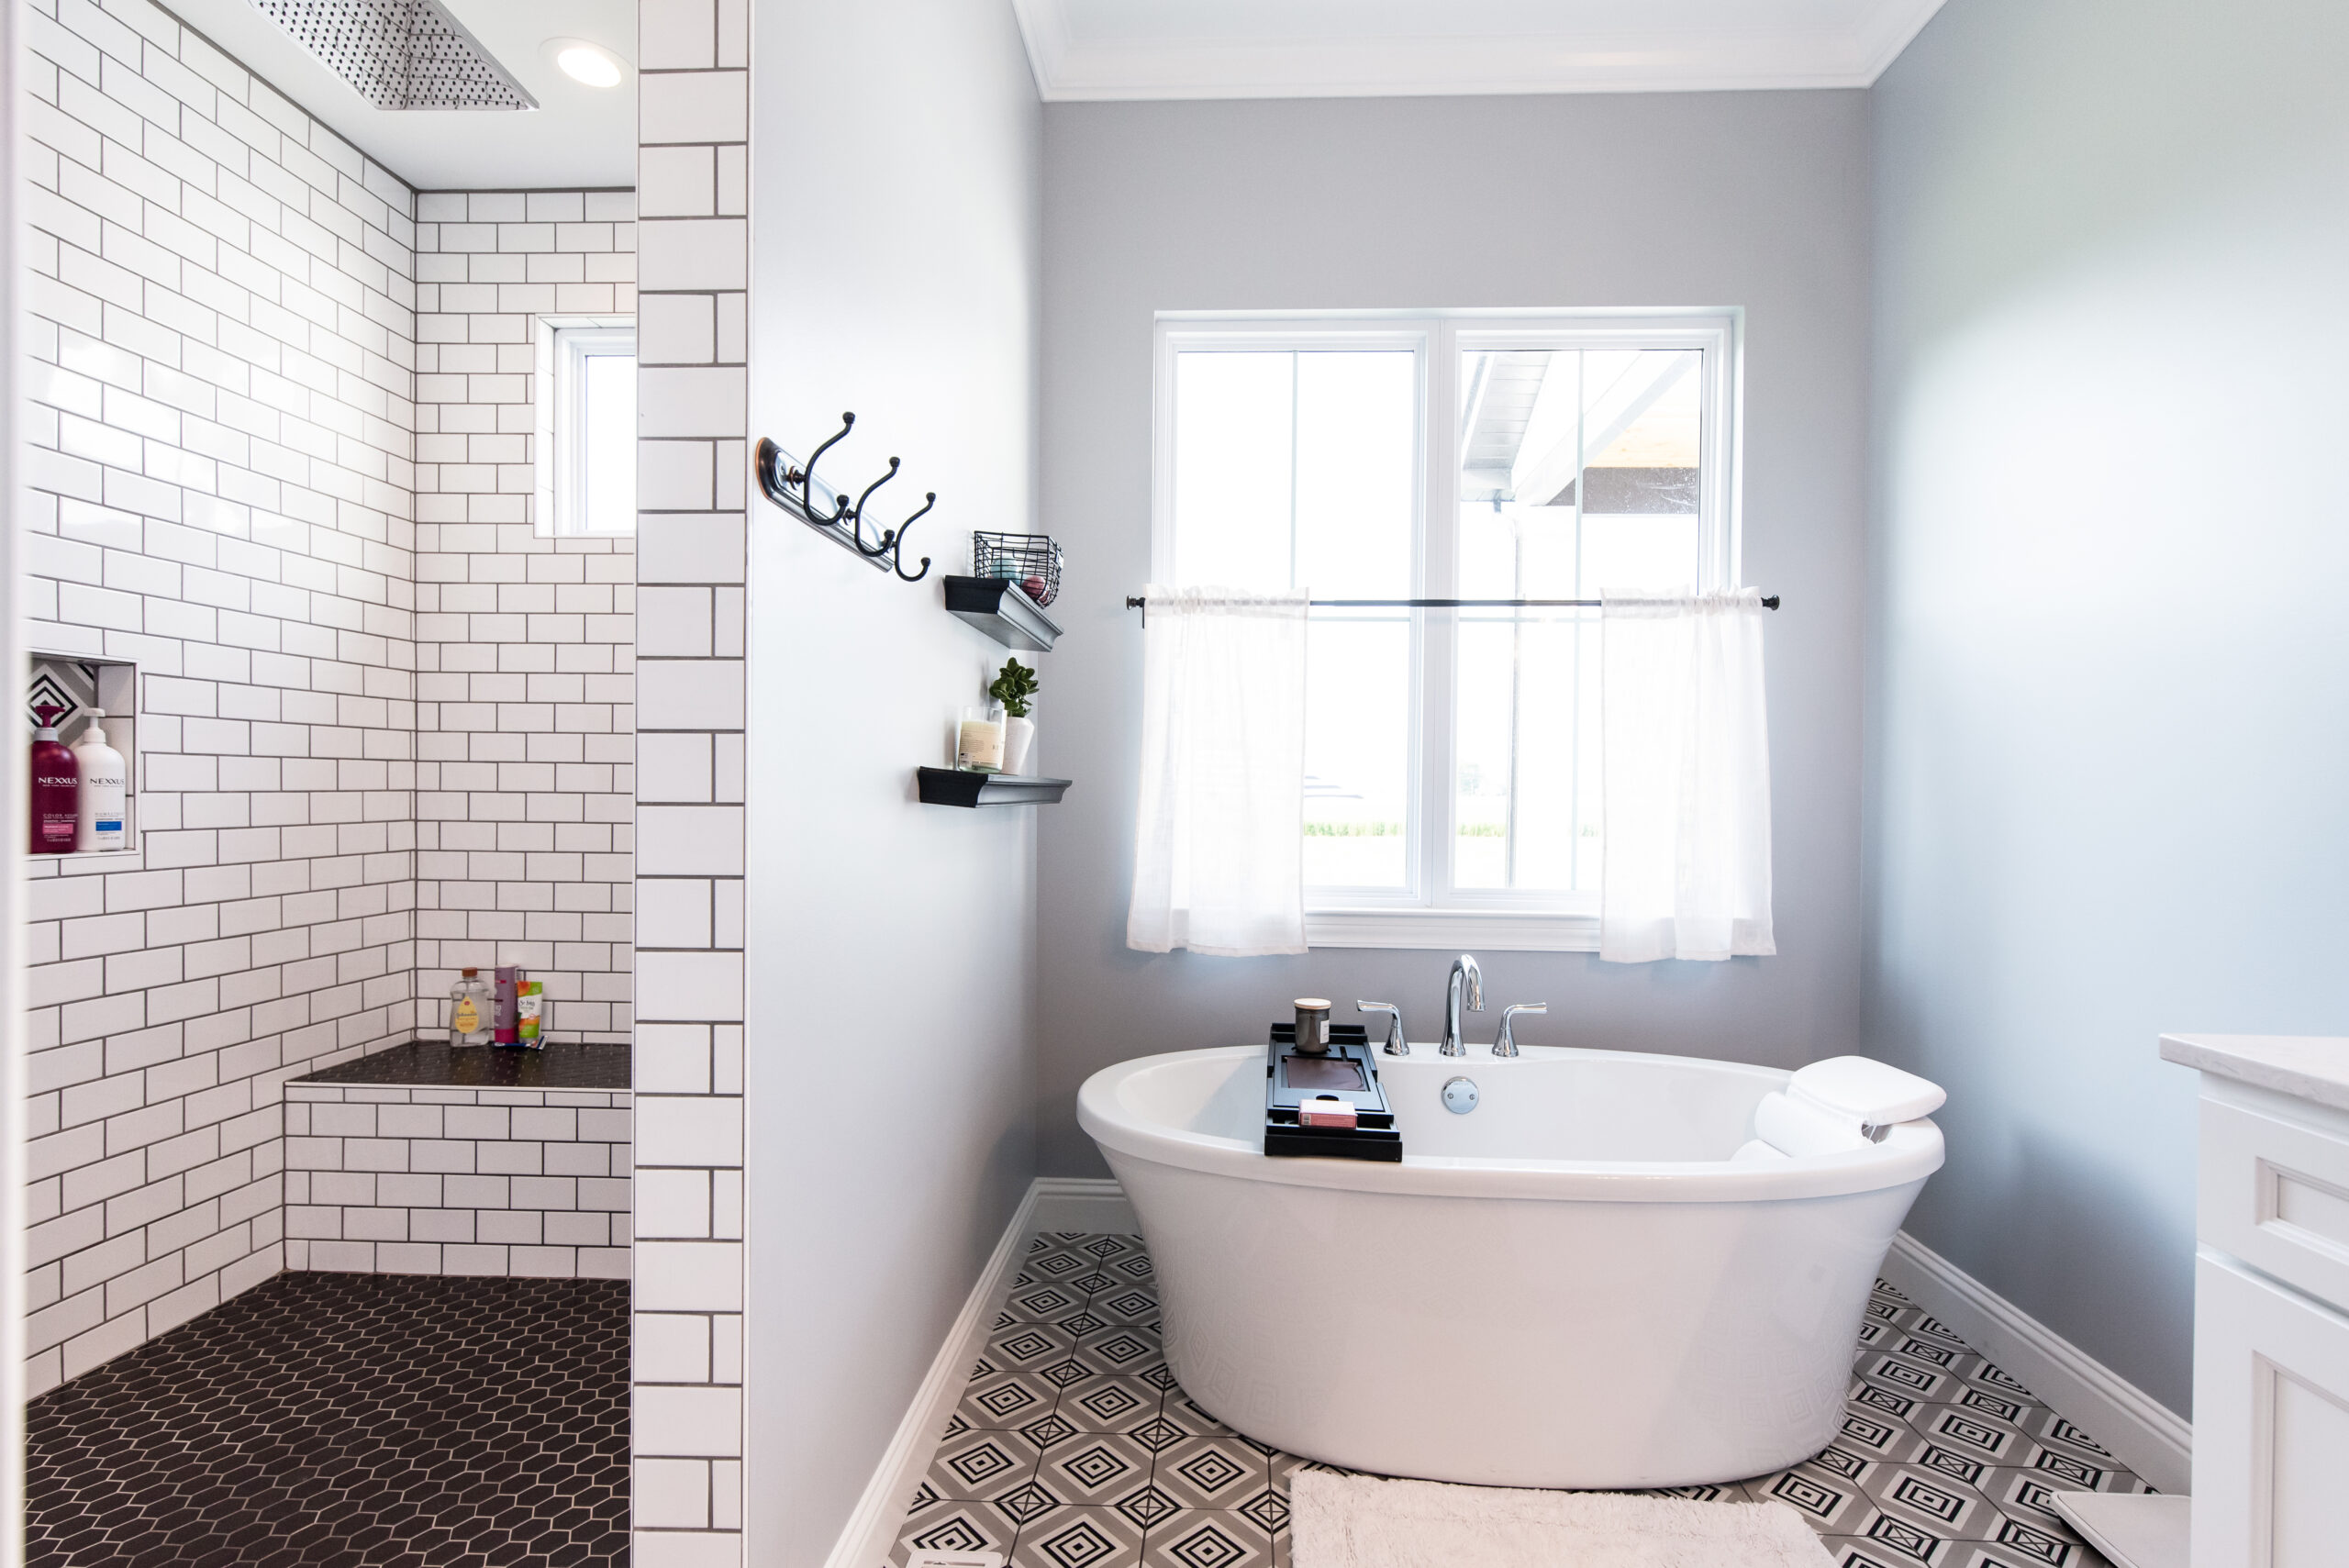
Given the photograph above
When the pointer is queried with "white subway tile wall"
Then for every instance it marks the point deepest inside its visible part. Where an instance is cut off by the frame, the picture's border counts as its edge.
(693, 466)
(525, 646)
(223, 369)
(221, 348)
(419, 1180)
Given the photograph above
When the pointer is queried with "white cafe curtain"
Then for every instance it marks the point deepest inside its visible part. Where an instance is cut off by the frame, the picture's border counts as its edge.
(1218, 860)
(1687, 778)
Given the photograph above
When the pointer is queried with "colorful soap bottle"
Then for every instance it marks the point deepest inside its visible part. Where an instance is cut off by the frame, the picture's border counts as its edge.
(56, 788)
(507, 1026)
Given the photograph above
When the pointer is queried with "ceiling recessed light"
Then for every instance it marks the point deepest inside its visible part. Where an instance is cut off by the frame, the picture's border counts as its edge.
(583, 61)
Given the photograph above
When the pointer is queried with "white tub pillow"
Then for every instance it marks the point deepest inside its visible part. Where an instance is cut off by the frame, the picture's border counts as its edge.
(1842, 1103)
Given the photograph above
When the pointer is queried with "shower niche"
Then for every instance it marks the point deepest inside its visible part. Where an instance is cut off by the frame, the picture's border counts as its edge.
(79, 685)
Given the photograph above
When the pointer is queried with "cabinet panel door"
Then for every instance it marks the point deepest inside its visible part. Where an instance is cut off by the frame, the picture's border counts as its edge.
(2276, 1193)
(2271, 1422)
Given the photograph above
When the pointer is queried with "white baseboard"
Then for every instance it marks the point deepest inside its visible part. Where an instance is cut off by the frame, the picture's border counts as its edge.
(871, 1534)
(2132, 1530)
(1054, 1202)
(1094, 1204)
(2144, 1434)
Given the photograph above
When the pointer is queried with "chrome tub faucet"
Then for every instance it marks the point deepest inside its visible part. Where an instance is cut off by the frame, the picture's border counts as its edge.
(1395, 1044)
(1464, 973)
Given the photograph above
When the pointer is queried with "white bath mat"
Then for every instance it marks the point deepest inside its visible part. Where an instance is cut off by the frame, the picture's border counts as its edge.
(1360, 1522)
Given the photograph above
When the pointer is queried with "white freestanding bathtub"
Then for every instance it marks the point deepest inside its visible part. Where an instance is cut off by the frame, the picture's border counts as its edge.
(1572, 1285)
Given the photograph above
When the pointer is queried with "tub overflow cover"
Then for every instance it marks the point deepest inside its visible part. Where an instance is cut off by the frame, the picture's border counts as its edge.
(1460, 1096)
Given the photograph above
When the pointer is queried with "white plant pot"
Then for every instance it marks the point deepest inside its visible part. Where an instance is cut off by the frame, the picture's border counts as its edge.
(1019, 739)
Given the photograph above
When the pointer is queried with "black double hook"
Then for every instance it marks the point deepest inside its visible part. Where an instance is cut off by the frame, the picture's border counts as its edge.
(793, 488)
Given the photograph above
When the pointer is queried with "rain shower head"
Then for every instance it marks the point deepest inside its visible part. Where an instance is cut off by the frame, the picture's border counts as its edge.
(400, 54)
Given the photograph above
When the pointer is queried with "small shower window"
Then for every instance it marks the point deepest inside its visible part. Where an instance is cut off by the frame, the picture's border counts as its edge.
(586, 423)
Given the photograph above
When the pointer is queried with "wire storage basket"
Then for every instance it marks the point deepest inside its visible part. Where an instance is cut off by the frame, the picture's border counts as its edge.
(1032, 560)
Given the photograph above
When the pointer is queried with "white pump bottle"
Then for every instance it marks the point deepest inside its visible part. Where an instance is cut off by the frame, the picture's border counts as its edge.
(98, 823)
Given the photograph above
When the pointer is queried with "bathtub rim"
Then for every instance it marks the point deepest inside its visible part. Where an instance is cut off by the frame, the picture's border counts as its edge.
(1911, 1151)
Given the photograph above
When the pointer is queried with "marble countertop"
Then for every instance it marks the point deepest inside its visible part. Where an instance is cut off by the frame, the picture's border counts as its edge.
(2308, 1066)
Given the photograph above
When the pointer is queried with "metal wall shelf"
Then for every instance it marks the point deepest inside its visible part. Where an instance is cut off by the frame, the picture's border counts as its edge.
(956, 786)
(998, 606)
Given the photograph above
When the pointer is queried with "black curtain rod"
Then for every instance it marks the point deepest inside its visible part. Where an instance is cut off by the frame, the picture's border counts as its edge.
(1769, 602)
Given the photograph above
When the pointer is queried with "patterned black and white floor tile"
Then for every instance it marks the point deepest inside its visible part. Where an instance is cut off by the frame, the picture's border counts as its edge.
(328, 1420)
(1074, 1447)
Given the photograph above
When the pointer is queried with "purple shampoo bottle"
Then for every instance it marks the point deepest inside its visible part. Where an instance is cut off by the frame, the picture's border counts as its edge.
(57, 789)
(507, 1026)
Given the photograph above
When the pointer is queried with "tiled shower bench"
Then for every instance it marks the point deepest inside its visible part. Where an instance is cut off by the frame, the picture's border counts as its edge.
(483, 1160)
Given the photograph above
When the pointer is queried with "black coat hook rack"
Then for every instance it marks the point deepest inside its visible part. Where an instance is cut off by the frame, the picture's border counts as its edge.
(793, 486)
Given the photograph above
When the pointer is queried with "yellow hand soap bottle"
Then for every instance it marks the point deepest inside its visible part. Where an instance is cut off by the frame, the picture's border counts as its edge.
(469, 1010)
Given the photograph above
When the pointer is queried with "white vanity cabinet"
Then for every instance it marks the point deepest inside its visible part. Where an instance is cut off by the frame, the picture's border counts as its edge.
(2271, 1303)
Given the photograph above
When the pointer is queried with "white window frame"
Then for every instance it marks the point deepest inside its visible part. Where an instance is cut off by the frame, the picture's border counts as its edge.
(563, 341)
(1430, 913)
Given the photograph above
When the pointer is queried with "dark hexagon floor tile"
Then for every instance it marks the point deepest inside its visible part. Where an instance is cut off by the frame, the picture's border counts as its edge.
(321, 1421)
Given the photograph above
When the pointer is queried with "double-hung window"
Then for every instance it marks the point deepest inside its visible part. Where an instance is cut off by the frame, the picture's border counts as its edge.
(1452, 792)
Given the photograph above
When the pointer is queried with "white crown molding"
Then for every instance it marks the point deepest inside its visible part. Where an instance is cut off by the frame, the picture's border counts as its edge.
(1892, 27)
(1744, 52)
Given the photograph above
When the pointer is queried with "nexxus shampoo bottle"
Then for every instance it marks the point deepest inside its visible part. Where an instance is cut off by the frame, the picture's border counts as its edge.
(98, 823)
(57, 782)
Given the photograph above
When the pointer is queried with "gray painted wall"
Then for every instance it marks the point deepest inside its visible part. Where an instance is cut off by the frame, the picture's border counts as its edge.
(1751, 199)
(2107, 660)
(892, 945)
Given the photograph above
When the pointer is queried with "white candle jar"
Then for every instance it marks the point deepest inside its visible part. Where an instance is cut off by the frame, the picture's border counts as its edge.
(978, 740)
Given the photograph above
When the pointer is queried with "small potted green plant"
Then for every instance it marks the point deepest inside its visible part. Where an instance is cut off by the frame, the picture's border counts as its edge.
(1012, 688)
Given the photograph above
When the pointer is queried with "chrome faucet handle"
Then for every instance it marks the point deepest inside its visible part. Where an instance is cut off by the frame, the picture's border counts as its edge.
(1505, 1043)
(1395, 1044)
